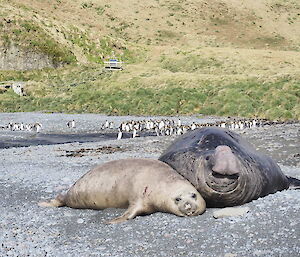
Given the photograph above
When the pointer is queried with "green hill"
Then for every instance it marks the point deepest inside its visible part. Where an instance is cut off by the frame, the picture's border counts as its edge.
(215, 57)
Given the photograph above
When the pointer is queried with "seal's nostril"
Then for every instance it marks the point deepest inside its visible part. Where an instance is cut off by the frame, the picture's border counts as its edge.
(187, 206)
(177, 200)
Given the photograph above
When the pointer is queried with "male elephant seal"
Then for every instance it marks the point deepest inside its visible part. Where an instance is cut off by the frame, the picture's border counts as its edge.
(224, 168)
(143, 186)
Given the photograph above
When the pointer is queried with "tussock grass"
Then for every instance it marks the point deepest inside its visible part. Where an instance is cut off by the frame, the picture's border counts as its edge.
(189, 63)
(92, 90)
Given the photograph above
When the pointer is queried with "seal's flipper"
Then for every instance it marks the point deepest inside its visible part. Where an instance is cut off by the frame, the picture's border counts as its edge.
(59, 201)
(294, 183)
(225, 162)
(129, 214)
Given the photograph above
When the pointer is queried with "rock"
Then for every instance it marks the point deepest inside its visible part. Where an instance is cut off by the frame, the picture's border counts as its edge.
(17, 58)
(230, 212)
(230, 255)
(18, 88)
(80, 221)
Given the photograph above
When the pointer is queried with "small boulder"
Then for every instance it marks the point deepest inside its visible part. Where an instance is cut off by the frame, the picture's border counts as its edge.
(230, 212)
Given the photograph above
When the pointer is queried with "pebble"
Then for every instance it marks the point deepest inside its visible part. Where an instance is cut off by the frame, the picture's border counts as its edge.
(80, 221)
(230, 255)
(230, 212)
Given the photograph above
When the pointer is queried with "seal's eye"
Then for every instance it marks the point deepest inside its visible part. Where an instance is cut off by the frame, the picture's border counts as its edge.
(207, 157)
(177, 199)
(194, 196)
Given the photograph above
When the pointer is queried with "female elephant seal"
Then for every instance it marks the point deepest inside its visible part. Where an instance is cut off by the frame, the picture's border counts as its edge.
(224, 168)
(143, 186)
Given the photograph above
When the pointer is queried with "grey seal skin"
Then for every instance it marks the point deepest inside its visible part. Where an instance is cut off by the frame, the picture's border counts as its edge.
(143, 186)
(224, 168)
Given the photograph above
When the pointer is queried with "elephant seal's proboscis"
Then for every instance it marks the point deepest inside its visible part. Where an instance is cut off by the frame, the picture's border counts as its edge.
(143, 186)
(224, 168)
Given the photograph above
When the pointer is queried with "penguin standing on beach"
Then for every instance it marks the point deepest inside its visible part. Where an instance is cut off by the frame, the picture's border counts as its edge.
(71, 124)
(134, 133)
(120, 133)
(38, 127)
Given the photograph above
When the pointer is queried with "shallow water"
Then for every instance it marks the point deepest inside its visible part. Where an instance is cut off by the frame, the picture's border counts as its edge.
(62, 138)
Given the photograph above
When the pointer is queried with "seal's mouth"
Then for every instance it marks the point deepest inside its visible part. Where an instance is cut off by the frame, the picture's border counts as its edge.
(188, 209)
(221, 183)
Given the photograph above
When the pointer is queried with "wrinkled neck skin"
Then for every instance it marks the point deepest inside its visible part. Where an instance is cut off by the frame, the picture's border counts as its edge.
(223, 188)
(235, 174)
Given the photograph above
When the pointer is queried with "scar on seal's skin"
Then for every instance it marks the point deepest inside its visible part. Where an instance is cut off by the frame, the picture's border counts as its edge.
(145, 190)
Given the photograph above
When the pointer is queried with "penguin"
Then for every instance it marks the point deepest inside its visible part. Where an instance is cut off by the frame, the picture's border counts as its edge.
(119, 134)
(157, 131)
(111, 125)
(22, 126)
(179, 131)
(179, 123)
(161, 124)
(134, 134)
(38, 127)
(71, 124)
(193, 126)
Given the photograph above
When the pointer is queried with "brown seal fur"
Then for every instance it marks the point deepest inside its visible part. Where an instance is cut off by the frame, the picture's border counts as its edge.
(143, 186)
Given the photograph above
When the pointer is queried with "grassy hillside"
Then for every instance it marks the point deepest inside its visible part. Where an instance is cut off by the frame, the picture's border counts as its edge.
(187, 57)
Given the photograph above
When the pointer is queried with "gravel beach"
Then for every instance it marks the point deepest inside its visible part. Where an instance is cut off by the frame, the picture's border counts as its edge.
(37, 172)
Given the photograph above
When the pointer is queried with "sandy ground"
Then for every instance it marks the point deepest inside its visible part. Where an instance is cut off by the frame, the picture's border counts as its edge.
(29, 174)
